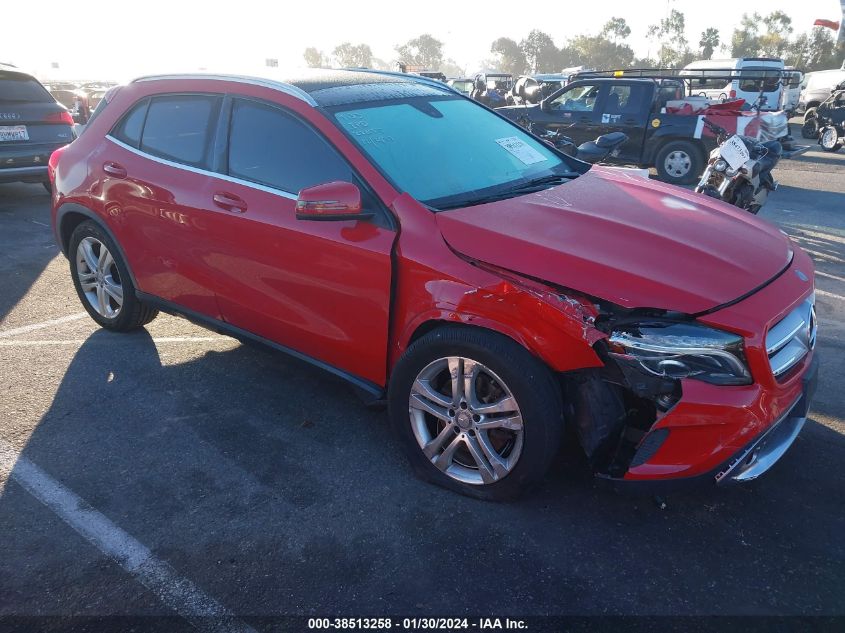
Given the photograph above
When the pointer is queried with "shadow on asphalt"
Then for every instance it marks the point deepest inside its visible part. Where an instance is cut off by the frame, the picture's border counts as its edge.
(820, 159)
(20, 268)
(265, 482)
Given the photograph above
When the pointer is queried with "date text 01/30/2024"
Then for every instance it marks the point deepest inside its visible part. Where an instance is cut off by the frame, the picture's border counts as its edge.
(417, 624)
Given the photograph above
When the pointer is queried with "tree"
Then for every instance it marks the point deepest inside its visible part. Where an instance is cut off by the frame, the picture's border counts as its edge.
(745, 41)
(451, 68)
(540, 52)
(597, 51)
(314, 58)
(615, 29)
(425, 51)
(510, 58)
(349, 55)
(775, 41)
(709, 42)
(815, 50)
(670, 33)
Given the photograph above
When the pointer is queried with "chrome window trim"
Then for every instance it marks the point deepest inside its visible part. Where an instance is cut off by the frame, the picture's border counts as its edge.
(203, 172)
(289, 89)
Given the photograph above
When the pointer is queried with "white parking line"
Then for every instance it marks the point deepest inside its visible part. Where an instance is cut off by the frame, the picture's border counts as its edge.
(824, 293)
(78, 342)
(40, 326)
(177, 593)
(820, 273)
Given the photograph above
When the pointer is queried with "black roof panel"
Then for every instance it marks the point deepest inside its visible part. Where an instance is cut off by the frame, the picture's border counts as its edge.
(339, 87)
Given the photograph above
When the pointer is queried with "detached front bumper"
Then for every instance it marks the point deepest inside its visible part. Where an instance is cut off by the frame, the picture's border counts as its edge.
(770, 446)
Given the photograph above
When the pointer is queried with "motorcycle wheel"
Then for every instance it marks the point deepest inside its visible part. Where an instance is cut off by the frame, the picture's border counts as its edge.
(744, 198)
(810, 129)
(830, 140)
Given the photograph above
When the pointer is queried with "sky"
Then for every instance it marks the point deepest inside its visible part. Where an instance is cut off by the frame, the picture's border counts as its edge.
(121, 40)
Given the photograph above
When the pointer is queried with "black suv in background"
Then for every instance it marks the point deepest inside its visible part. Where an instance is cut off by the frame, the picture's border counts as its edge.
(32, 125)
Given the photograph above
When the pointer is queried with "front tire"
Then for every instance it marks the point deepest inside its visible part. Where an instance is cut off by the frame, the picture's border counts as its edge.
(102, 280)
(679, 163)
(810, 127)
(475, 412)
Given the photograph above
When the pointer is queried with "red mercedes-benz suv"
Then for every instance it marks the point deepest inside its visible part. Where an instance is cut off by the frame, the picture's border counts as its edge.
(490, 288)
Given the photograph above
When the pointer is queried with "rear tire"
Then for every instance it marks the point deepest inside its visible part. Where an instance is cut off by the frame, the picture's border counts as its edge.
(810, 128)
(507, 410)
(102, 280)
(679, 162)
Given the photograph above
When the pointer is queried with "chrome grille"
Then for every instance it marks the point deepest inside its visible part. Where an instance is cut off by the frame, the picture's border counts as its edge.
(792, 337)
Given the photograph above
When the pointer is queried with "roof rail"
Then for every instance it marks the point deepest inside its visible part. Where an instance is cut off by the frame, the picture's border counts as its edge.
(281, 86)
(682, 74)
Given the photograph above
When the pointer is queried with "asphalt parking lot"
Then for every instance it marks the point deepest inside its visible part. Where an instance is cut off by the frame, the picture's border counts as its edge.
(177, 472)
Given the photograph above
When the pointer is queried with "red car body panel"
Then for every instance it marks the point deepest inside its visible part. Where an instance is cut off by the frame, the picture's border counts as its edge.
(625, 239)
(433, 285)
(354, 295)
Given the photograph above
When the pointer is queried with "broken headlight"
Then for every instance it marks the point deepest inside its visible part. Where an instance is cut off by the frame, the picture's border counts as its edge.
(681, 350)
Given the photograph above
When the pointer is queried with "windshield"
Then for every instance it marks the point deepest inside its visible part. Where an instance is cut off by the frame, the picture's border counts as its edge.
(448, 151)
(755, 79)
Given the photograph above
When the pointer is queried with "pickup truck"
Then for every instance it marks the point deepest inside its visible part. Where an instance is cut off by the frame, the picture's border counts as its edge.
(672, 143)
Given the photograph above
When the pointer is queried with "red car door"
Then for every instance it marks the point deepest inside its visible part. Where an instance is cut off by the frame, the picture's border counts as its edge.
(155, 179)
(321, 288)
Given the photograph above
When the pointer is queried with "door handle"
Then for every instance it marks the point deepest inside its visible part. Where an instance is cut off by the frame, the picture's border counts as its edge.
(630, 122)
(113, 169)
(229, 202)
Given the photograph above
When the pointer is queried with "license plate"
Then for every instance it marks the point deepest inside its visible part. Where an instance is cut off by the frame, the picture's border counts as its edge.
(735, 152)
(13, 133)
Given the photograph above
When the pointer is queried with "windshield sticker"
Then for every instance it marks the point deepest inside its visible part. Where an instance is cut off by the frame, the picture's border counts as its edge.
(610, 118)
(360, 128)
(519, 148)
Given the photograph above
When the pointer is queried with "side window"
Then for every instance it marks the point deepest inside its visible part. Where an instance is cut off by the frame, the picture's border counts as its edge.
(577, 99)
(272, 148)
(625, 99)
(180, 128)
(128, 129)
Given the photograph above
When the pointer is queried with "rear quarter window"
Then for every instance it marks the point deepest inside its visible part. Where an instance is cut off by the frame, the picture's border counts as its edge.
(180, 128)
(128, 129)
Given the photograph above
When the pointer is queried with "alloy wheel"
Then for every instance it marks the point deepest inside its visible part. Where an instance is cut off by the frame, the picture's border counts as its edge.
(99, 277)
(677, 163)
(466, 420)
(829, 138)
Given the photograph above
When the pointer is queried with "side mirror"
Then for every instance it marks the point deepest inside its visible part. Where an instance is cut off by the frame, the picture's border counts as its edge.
(331, 201)
(545, 106)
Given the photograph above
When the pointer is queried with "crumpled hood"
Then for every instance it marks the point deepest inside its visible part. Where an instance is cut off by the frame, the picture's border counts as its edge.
(631, 241)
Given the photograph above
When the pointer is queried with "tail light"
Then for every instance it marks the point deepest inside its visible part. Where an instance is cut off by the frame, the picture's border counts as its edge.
(59, 117)
(53, 161)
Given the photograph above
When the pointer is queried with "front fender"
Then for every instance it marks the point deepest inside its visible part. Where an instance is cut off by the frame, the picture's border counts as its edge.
(435, 285)
(561, 336)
